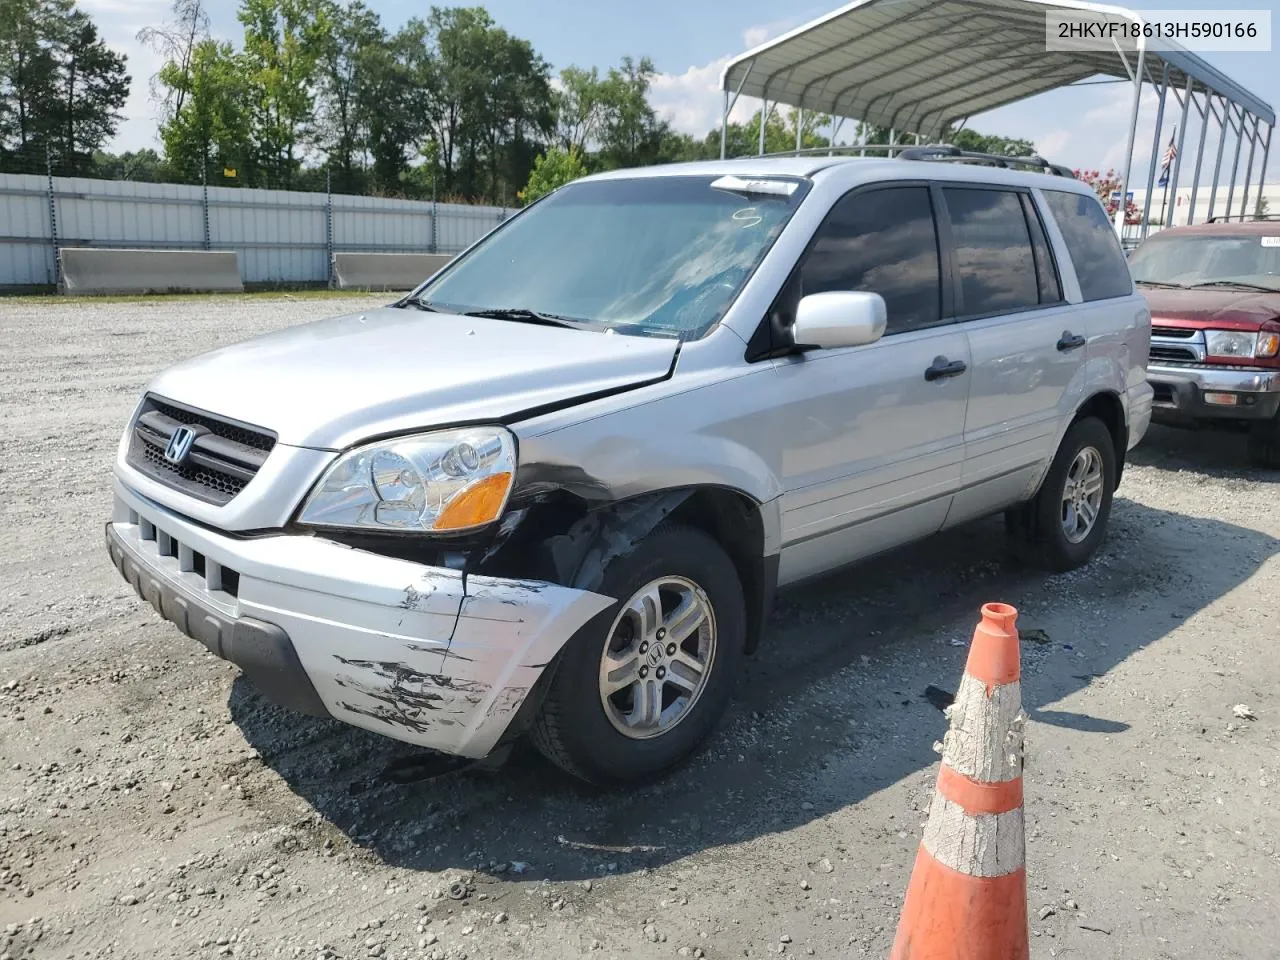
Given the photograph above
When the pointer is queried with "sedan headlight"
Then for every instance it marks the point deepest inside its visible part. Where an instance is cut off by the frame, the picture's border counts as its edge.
(443, 482)
(1230, 343)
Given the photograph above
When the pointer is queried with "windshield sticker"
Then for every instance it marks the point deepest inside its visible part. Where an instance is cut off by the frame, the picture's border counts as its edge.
(1271, 241)
(735, 184)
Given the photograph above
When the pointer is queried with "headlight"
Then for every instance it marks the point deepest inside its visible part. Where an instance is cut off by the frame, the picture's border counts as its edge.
(1268, 345)
(1230, 343)
(448, 481)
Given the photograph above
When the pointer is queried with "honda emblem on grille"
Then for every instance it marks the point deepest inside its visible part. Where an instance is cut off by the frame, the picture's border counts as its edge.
(179, 445)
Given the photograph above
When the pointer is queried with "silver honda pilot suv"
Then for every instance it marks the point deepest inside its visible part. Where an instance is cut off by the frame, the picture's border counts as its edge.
(553, 491)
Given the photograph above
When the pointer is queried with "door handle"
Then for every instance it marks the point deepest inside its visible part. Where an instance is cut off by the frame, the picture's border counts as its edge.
(1070, 341)
(942, 368)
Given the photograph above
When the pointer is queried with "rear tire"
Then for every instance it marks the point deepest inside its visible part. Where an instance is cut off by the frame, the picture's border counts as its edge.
(1065, 524)
(674, 576)
(1264, 443)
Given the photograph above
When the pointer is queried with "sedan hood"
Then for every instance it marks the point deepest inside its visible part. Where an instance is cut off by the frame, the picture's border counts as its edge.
(332, 383)
(1221, 307)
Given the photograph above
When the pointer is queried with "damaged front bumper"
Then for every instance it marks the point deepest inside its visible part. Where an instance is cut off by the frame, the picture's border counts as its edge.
(417, 653)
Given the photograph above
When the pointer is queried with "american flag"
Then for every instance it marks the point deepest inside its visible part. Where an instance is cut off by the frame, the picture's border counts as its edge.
(1170, 154)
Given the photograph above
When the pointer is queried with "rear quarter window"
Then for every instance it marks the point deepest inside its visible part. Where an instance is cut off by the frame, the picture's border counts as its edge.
(1091, 241)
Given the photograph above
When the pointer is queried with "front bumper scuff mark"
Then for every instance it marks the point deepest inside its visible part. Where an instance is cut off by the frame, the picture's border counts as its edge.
(419, 653)
(405, 697)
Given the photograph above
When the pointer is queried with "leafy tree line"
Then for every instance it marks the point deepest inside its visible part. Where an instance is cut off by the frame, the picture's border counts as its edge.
(448, 105)
(61, 87)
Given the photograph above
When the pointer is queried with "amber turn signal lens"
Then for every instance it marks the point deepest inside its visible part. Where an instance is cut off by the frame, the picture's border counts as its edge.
(1268, 345)
(479, 503)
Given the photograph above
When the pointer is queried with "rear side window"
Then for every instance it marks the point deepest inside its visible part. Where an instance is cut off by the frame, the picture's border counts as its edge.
(884, 241)
(1092, 243)
(994, 258)
(1046, 270)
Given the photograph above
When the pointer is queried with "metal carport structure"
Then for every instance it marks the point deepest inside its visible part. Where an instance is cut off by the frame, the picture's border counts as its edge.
(919, 66)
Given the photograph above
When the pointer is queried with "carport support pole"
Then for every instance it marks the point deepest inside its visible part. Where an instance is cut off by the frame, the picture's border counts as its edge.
(724, 125)
(1217, 165)
(1133, 133)
(799, 127)
(1248, 170)
(1235, 163)
(1262, 174)
(1177, 160)
(1204, 130)
(1155, 152)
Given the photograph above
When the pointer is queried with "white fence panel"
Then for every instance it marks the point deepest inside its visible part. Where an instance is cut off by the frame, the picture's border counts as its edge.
(281, 236)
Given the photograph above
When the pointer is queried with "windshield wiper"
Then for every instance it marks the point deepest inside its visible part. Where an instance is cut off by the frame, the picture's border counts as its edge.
(1237, 283)
(523, 315)
(421, 304)
(1161, 283)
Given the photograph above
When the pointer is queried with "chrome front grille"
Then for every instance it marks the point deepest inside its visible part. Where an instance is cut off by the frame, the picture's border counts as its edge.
(1176, 345)
(223, 456)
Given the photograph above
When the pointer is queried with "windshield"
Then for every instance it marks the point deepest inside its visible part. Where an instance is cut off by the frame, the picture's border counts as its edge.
(1186, 261)
(660, 256)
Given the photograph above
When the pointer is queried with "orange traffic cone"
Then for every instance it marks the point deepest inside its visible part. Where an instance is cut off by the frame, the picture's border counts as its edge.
(967, 899)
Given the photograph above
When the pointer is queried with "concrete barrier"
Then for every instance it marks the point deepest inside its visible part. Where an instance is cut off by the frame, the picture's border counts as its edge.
(385, 271)
(88, 270)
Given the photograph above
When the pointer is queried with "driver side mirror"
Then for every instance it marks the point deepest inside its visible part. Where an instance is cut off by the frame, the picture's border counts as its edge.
(839, 318)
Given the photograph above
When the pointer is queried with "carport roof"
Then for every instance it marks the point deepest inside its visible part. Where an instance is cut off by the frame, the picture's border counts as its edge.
(919, 65)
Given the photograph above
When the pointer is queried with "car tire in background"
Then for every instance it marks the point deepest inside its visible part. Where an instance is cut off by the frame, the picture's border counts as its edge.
(1066, 522)
(627, 702)
(1264, 443)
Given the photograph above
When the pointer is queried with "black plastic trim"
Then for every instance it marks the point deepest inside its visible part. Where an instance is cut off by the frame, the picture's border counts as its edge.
(262, 651)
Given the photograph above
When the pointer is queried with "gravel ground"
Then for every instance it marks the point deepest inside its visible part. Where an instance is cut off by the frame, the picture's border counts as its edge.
(152, 805)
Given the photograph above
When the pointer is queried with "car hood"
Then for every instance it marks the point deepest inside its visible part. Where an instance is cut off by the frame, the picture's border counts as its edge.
(1221, 306)
(332, 383)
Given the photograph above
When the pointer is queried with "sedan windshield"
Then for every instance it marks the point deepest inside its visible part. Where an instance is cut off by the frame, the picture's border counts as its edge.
(1208, 259)
(657, 256)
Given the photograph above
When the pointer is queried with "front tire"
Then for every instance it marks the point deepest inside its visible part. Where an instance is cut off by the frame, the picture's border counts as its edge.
(642, 685)
(1264, 443)
(1065, 524)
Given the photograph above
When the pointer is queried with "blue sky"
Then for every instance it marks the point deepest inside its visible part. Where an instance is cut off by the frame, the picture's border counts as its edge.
(689, 41)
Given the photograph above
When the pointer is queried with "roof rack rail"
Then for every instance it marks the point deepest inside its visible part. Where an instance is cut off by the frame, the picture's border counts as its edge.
(1244, 217)
(946, 151)
(841, 150)
(934, 151)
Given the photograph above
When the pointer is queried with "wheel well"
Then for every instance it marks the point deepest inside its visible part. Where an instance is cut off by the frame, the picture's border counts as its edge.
(554, 539)
(733, 520)
(1107, 408)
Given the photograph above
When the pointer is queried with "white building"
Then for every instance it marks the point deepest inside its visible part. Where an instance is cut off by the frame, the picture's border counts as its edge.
(1180, 201)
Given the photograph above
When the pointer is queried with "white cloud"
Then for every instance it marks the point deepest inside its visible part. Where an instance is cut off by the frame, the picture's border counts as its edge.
(692, 101)
(118, 22)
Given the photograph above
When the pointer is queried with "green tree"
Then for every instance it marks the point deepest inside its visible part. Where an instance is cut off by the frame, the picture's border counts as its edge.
(145, 166)
(631, 131)
(489, 104)
(552, 170)
(28, 79)
(968, 139)
(92, 89)
(397, 78)
(283, 42)
(580, 104)
(61, 87)
(349, 69)
(212, 130)
(176, 42)
(779, 135)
